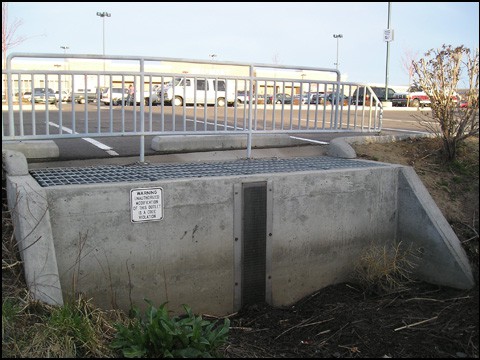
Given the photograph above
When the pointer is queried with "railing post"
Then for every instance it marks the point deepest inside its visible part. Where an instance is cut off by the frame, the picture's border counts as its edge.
(142, 110)
(250, 116)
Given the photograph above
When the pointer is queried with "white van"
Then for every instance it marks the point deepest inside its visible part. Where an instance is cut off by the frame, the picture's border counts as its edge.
(199, 91)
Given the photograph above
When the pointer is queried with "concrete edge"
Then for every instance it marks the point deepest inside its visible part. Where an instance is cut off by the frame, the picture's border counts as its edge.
(191, 143)
(33, 234)
(38, 149)
(341, 146)
(422, 224)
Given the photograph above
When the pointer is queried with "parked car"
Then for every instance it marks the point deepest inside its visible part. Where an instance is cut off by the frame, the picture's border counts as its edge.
(416, 97)
(307, 98)
(332, 98)
(189, 90)
(260, 99)
(63, 97)
(304, 99)
(318, 98)
(115, 95)
(79, 96)
(39, 95)
(27, 95)
(399, 99)
(243, 97)
(358, 94)
(279, 98)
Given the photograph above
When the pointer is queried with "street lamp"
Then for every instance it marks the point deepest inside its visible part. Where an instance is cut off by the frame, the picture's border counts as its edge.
(103, 15)
(337, 36)
(65, 48)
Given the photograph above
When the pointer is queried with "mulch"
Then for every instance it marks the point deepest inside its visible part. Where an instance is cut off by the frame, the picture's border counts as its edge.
(343, 321)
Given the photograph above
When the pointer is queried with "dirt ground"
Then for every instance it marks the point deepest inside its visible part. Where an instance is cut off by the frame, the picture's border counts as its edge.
(345, 320)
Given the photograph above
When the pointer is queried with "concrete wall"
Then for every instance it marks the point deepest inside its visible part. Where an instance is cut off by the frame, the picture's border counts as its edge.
(320, 221)
(188, 256)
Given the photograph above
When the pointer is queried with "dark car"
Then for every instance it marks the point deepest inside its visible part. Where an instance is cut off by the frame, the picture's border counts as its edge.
(399, 99)
(379, 92)
(318, 98)
(279, 98)
(332, 98)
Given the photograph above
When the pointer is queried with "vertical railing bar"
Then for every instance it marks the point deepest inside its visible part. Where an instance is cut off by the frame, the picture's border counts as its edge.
(235, 105)
(195, 106)
(141, 88)
(20, 117)
(265, 101)
(250, 130)
(47, 101)
(99, 121)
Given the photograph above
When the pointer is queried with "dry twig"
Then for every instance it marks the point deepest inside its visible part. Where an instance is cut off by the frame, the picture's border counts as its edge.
(415, 324)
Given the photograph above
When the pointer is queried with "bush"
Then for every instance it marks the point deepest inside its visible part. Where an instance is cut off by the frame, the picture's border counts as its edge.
(158, 335)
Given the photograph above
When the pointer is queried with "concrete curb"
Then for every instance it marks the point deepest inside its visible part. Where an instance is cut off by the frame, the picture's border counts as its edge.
(38, 149)
(189, 143)
(341, 146)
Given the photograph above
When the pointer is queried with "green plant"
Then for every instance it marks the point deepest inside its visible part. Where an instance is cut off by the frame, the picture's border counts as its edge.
(383, 269)
(158, 335)
(10, 309)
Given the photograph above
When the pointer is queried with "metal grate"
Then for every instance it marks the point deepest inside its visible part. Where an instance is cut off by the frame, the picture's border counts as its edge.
(254, 252)
(153, 172)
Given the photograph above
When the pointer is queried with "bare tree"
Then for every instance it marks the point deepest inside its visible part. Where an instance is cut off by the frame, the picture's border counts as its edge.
(407, 64)
(9, 40)
(439, 73)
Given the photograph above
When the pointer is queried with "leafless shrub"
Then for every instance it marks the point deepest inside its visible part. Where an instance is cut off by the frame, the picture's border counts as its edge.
(439, 74)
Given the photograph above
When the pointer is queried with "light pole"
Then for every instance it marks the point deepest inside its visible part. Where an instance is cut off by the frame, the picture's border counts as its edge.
(65, 48)
(337, 36)
(103, 15)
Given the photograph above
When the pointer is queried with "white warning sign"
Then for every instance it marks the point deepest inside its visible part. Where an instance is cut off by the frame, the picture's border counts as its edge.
(146, 204)
(388, 35)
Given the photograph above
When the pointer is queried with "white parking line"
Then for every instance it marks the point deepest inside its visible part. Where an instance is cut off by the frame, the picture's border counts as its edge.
(96, 143)
(310, 140)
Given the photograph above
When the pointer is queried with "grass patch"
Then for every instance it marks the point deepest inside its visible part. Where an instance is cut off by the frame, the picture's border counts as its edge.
(385, 269)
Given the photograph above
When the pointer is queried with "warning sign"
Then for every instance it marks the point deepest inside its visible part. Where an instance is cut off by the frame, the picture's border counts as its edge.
(388, 35)
(146, 204)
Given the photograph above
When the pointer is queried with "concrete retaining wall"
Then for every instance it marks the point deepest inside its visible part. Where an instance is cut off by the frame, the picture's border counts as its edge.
(320, 221)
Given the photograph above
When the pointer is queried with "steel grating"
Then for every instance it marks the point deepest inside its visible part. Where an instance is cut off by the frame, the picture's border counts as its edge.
(153, 172)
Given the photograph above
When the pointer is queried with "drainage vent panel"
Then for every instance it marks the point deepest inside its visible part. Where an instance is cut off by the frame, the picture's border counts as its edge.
(153, 172)
(254, 229)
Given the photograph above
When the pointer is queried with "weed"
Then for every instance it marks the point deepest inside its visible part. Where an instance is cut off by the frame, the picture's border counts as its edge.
(158, 335)
(383, 269)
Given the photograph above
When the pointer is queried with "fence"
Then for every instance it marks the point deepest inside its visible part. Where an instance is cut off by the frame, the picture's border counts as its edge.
(177, 97)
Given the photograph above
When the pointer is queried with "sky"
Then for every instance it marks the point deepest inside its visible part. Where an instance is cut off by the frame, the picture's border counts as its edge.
(285, 33)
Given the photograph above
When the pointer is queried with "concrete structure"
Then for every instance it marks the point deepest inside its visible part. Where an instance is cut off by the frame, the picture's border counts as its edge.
(313, 223)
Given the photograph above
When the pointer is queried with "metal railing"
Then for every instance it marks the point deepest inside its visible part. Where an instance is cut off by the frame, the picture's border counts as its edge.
(204, 103)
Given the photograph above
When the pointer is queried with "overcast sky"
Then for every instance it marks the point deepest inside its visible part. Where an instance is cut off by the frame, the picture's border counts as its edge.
(297, 34)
